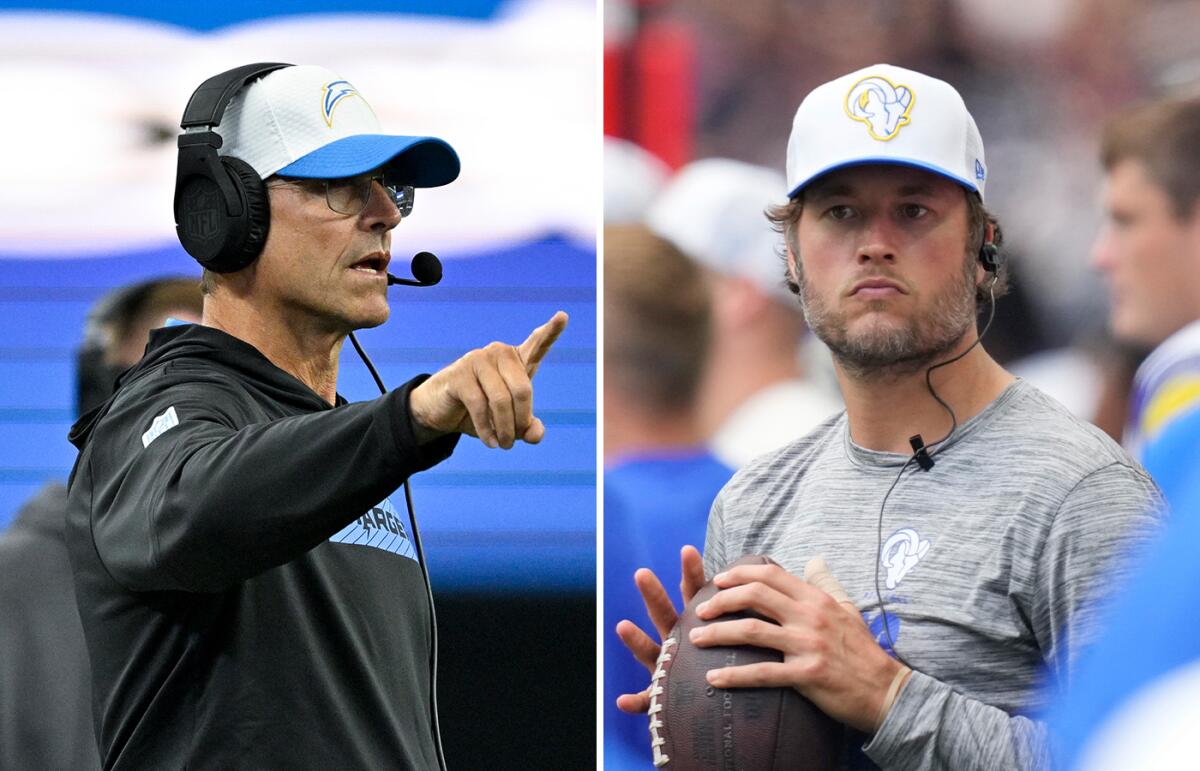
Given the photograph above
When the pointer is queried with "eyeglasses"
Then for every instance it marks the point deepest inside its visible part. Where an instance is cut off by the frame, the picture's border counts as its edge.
(350, 195)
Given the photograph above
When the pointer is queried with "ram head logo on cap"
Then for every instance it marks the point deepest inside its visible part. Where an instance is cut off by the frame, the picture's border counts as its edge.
(880, 104)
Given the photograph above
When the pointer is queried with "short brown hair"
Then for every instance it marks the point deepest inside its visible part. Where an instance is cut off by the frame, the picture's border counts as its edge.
(785, 218)
(657, 318)
(1164, 136)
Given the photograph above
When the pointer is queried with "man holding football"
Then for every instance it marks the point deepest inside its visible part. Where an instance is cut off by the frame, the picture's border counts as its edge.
(969, 517)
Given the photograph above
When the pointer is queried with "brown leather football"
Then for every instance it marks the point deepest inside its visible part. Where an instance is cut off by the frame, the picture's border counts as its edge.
(696, 727)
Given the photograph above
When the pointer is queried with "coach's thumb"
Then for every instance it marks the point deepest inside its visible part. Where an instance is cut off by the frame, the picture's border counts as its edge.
(816, 572)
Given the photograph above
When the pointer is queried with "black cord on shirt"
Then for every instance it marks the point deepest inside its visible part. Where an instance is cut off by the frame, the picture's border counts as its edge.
(931, 449)
(412, 516)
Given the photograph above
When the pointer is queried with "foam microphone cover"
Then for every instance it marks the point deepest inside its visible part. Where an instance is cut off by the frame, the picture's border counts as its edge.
(426, 268)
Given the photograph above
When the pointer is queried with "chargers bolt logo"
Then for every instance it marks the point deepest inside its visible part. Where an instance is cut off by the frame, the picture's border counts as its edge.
(333, 95)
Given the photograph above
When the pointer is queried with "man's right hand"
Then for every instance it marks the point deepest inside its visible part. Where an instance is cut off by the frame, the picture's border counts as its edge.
(487, 393)
(662, 612)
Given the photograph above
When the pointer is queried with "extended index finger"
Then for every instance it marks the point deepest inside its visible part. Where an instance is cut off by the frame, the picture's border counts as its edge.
(534, 349)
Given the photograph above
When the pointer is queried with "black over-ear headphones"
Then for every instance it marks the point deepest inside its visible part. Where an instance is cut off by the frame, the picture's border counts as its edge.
(222, 214)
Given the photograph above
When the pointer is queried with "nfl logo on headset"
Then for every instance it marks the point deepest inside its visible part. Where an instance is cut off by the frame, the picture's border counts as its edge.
(203, 208)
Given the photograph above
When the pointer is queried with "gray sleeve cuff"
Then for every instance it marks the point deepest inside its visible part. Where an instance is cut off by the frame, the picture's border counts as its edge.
(930, 726)
(913, 717)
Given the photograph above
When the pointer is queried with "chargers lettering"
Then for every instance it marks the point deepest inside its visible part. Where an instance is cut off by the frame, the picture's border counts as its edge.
(378, 528)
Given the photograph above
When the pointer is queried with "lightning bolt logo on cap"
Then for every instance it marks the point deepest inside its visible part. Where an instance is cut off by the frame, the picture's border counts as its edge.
(334, 93)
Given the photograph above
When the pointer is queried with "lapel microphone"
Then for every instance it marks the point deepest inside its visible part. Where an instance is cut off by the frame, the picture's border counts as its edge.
(426, 269)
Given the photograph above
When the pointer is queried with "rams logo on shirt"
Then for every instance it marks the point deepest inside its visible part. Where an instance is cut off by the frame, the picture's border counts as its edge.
(903, 550)
(880, 104)
(334, 94)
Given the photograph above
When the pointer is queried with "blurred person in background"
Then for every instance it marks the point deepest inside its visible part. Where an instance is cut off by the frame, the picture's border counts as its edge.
(633, 178)
(992, 566)
(756, 395)
(1149, 251)
(1133, 703)
(659, 478)
(45, 680)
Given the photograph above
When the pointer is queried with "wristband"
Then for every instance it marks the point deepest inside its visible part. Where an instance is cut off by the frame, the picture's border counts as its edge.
(892, 692)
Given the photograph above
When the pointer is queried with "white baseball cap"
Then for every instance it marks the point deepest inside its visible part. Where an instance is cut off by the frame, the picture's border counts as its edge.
(890, 115)
(305, 121)
(713, 210)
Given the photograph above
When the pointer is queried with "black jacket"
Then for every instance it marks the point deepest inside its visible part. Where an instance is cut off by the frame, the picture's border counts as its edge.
(249, 596)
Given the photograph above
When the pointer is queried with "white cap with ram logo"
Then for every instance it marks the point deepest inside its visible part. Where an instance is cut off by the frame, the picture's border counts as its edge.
(885, 115)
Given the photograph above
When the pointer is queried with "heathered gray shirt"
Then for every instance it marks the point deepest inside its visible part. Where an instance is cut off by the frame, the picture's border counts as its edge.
(987, 566)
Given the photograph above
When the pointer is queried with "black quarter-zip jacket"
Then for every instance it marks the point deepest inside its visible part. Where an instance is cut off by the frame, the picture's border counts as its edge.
(249, 594)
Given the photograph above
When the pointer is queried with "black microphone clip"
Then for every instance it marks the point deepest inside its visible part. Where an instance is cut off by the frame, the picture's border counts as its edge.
(920, 452)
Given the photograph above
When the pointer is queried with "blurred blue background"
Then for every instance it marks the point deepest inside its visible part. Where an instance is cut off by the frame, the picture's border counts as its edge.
(522, 520)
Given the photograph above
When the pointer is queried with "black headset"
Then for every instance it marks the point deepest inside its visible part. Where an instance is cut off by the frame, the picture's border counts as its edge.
(990, 256)
(222, 213)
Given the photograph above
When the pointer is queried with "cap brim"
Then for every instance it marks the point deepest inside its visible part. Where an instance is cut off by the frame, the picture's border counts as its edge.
(884, 161)
(416, 161)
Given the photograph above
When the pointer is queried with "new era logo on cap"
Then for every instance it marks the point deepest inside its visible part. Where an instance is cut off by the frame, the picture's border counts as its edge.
(885, 115)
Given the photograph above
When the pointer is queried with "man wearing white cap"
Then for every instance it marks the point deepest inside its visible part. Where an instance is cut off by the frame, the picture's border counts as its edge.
(969, 517)
(756, 395)
(250, 595)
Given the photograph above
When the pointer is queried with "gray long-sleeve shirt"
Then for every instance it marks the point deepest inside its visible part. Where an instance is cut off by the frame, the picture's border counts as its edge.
(987, 569)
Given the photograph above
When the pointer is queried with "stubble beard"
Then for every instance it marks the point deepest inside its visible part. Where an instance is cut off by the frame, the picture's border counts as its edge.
(887, 349)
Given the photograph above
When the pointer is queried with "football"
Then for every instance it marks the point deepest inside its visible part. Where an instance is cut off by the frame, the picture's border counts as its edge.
(696, 727)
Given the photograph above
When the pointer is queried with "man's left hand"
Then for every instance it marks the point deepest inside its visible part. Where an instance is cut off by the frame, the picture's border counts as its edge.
(829, 655)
